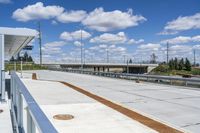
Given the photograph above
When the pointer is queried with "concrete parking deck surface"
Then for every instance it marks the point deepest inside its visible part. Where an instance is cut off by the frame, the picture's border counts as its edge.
(5, 118)
(90, 116)
(177, 106)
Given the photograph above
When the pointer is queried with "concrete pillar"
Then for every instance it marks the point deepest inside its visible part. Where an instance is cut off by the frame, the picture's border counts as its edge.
(2, 67)
(108, 69)
(103, 69)
(98, 69)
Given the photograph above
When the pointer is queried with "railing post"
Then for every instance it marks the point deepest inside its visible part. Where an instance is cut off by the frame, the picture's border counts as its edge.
(186, 83)
(19, 111)
(30, 123)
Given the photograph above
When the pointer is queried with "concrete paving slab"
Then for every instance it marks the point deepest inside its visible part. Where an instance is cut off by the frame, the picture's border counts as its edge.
(175, 105)
(89, 115)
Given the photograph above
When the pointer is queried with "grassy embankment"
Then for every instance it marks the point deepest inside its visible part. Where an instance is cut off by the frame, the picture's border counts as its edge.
(26, 66)
(164, 70)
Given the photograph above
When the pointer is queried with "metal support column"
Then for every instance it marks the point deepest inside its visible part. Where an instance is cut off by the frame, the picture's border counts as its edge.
(2, 71)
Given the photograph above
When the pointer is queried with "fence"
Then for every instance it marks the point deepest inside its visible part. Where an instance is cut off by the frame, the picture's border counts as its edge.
(144, 77)
(24, 106)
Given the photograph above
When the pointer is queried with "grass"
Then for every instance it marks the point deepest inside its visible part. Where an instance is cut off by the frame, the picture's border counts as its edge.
(26, 66)
(164, 70)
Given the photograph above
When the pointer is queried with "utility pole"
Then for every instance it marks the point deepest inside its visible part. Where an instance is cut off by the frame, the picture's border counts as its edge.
(81, 51)
(194, 58)
(84, 55)
(167, 52)
(124, 59)
(107, 55)
(40, 42)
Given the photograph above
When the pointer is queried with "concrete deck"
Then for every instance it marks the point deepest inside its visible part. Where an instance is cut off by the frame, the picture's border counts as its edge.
(90, 116)
(177, 106)
(5, 119)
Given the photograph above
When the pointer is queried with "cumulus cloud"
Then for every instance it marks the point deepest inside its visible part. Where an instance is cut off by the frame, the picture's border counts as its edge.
(149, 47)
(72, 16)
(37, 11)
(102, 48)
(78, 43)
(76, 35)
(107, 21)
(133, 41)
(5, 1)
(53, 47)
(182, 24)
(196, 47)
(180, 50)
(182, 39)
(118, 38)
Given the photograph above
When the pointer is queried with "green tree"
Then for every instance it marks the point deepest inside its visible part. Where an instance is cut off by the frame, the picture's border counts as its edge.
(176, 63)
(25, 58)
(30, 59)
(187, 65)
(181, 64)
(171, 64)
(12, 59)
(153, 58)
(130, 61)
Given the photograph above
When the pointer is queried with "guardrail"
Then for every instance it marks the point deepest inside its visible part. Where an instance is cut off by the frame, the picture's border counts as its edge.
(138, 77)
(23, 105)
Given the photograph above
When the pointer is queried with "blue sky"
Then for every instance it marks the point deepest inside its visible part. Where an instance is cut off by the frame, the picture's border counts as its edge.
(133, 28)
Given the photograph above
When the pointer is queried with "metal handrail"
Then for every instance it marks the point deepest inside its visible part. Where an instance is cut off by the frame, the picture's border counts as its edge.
(128, 75)
(37, 116)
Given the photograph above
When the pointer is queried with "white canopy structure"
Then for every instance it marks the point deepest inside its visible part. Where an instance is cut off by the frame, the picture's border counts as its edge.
(12, 40)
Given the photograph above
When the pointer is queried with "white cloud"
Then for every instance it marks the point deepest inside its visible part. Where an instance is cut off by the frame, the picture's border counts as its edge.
(53, 47)
(196, 47)
(55, 44)
(54, 22)
(5, 1)
(196, 38)
(107, 21)
(180, 50)
(182, 39)
(102, 48)
(177, 40)
(76, 35)
(78, 43)
(133, 41)
(109, 38)
(72, 16)
(182, 24)
(119, 38)
(37, 11)
(150, 47)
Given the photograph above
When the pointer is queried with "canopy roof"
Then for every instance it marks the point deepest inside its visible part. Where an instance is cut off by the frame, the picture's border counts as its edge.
(16, 38)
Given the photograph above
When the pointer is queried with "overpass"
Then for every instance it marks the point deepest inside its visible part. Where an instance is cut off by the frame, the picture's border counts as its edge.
(107, 67)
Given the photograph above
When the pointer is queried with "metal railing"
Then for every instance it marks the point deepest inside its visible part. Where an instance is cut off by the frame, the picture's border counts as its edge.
(145, 77)
(23, 105)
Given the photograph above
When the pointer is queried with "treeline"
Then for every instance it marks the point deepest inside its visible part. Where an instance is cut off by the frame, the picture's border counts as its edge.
(25, 58)
(180, 64)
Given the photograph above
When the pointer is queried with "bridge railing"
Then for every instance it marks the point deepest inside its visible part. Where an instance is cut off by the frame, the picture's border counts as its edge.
(26, 113)
(138, 77)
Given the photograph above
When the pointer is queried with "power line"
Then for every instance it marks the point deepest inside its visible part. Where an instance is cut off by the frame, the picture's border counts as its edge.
(40, 42)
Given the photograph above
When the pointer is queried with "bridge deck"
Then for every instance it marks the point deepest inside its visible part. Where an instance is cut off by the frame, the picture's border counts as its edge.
(177, 106)
(89, 115)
